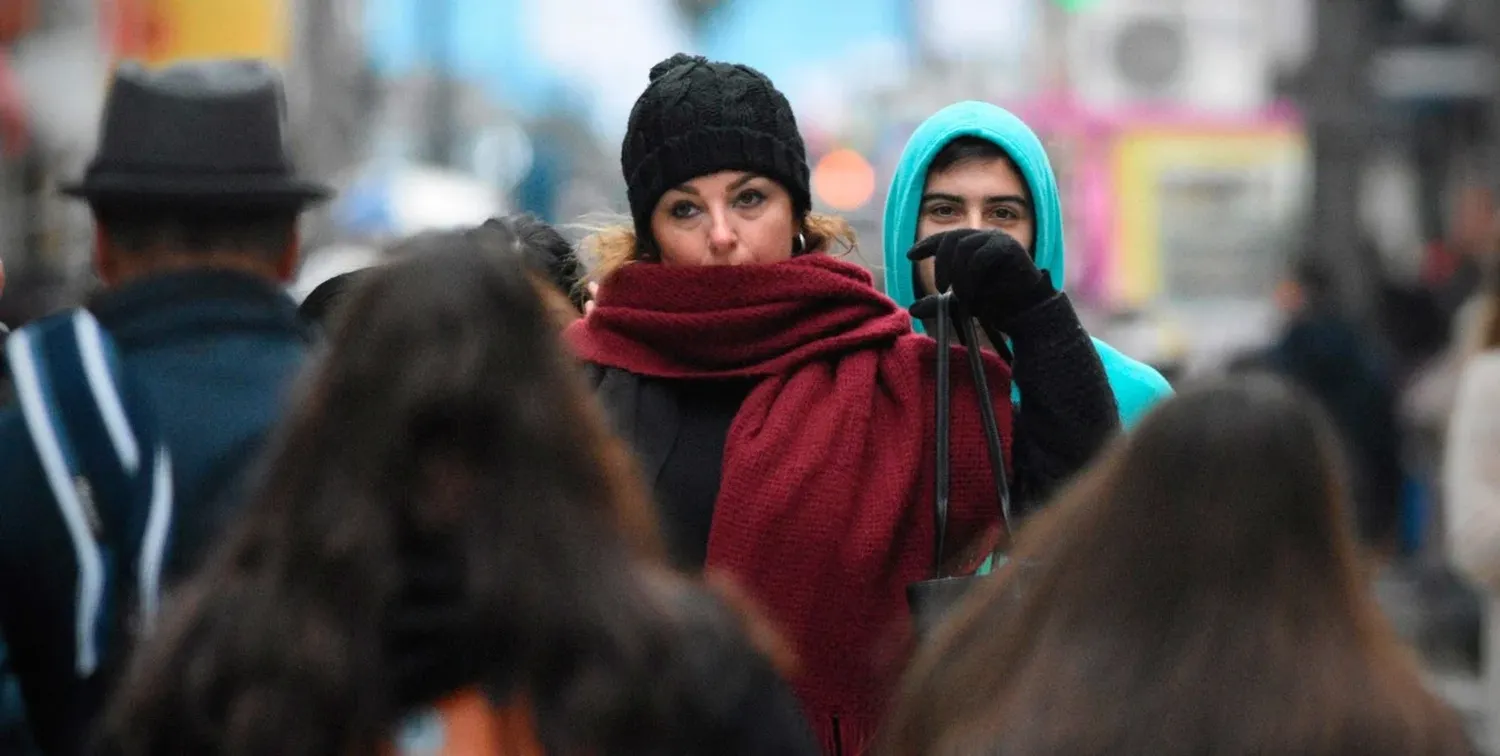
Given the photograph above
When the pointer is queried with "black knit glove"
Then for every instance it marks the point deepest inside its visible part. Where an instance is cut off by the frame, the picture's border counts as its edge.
(991, 275)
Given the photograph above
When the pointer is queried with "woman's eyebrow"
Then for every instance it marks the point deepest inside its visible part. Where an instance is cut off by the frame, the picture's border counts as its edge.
(743, 180)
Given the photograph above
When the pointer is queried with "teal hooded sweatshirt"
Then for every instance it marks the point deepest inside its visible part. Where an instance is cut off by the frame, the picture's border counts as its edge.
(1137, 386)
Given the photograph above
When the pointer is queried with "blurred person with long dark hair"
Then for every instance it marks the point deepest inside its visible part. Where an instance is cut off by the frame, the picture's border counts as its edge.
(444, 512)
(1472, 480)
(1197, 592)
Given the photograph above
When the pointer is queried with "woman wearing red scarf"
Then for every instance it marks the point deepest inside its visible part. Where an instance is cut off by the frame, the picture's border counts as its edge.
(781, 406)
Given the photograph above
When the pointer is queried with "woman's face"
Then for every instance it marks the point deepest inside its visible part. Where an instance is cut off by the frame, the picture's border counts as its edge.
(981, 194)
(725, 218)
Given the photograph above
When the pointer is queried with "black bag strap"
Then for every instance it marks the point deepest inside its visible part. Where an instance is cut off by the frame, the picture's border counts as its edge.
(968, 335)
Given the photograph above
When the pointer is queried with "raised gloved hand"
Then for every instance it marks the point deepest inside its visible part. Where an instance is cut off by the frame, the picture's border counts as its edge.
(991, 275)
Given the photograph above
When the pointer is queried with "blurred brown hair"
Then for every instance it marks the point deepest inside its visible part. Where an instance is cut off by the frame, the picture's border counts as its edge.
(1196, 592)
(551, 261)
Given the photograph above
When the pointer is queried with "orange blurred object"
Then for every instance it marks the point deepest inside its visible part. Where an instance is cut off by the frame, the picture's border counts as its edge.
(131, 27)
(844, 180)
(15, 134)
(469, 724)
(165, 31)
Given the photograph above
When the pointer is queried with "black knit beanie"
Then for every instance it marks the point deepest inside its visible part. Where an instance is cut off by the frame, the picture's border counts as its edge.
(698, 117)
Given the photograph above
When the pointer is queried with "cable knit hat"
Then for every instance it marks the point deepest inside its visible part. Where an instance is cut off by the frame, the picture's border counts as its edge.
(699, 117)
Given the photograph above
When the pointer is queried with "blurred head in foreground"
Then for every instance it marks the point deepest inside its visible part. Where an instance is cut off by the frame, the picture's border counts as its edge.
(1197, 591)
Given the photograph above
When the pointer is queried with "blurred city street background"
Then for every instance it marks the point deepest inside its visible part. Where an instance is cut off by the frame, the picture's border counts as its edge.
(1203, 146)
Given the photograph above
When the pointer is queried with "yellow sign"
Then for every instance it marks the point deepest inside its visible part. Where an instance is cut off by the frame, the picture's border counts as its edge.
(1241, 183)
(186, 29)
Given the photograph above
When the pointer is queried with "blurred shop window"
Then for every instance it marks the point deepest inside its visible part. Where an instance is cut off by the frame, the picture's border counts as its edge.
(1218, 239)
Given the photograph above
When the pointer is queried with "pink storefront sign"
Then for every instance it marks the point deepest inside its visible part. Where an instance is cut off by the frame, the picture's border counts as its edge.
(1082, 141)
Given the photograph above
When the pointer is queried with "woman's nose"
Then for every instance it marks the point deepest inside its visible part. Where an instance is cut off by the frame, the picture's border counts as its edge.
(721, 234)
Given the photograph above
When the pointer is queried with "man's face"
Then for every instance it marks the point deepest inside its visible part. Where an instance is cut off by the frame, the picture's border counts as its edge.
(981, 194)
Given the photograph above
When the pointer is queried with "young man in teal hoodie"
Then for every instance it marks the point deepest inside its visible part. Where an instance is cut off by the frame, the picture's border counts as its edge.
(974, 204)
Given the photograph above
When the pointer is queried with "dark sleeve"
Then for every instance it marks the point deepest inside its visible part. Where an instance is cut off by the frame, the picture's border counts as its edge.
(593, 375)
(15, 731)
(736, 703)
(1067, 411)
(760, 714)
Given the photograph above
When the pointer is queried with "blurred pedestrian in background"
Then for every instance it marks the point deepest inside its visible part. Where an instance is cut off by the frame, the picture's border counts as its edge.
(557, 272)
(1330, 358)
(550, 261)
(137, 415)
(1472, 483)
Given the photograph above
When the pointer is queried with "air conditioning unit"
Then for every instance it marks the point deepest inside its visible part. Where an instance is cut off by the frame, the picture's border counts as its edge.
(1206, 55)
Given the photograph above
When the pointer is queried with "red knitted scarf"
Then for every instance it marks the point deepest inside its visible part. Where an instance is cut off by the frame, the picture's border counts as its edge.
(824, 512)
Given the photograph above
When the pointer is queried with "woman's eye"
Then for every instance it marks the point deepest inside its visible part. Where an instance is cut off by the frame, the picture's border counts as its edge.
(941, 211)
(750, 198)
(683, 210)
